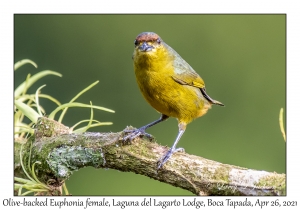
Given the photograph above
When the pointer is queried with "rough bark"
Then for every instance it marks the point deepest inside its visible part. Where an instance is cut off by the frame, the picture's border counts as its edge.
(61, 152)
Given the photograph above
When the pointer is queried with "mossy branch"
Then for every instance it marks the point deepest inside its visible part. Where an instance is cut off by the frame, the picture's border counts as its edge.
(61, 152)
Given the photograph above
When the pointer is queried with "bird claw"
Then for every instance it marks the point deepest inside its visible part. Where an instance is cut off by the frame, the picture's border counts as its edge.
(132, 134)
(180, 149)
(167, 156)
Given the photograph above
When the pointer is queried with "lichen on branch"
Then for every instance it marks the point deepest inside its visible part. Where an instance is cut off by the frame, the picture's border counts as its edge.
(61, 155)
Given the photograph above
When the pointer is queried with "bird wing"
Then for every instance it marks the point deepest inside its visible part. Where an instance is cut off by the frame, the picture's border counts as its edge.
(185, 74)
(189, 79)
(196, 81)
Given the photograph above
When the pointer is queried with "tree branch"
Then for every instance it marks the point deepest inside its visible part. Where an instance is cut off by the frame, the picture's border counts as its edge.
(61, 152)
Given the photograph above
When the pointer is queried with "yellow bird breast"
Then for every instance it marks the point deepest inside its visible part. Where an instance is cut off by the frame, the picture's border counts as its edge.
(154, 77)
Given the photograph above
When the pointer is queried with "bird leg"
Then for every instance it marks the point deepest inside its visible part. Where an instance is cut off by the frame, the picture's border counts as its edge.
(173, 149)
(142, 130)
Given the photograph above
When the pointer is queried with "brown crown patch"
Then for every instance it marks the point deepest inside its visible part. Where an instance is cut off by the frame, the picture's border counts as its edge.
(147, 37)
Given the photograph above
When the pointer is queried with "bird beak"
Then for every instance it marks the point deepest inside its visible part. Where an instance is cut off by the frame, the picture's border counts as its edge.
(145, 47)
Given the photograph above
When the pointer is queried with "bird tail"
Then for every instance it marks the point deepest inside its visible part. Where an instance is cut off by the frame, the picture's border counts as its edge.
(209, 98)
(217, 103)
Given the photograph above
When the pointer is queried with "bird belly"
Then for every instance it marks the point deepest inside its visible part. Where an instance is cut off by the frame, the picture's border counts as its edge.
(171, 98)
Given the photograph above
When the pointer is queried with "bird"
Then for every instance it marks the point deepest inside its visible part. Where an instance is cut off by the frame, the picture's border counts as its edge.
(170, 85)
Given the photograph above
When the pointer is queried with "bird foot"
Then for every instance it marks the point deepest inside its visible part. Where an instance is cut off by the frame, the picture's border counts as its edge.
(166, 157)
(134, 133)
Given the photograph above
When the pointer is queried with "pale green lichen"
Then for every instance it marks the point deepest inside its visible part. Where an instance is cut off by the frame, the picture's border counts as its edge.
(222, 174)
(277, 182)
(64, 160)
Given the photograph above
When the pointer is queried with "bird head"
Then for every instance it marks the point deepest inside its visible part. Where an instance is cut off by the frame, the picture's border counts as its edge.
(147, 42)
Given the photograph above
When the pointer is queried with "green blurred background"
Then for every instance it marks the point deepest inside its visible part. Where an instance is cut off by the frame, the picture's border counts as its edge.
(242, 59)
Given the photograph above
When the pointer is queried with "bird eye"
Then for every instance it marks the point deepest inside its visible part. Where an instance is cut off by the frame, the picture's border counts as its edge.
(136, 42)
(158, 41)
